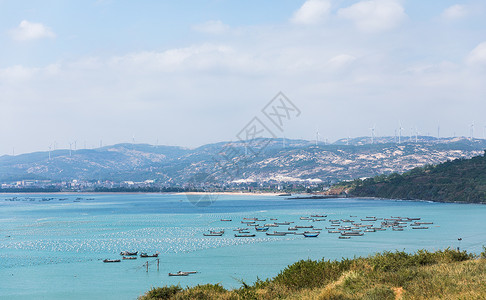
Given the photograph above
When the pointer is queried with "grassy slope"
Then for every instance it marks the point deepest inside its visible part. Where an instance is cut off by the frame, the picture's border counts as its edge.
(461, 180)
(446, 274)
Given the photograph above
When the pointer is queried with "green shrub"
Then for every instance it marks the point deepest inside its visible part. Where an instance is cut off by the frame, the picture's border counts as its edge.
(166, 292)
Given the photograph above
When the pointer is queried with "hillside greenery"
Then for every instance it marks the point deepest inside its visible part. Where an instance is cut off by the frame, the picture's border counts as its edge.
(460, 180)
(443, 274)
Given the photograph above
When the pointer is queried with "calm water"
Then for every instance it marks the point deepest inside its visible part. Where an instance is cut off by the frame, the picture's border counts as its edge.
(54, 249)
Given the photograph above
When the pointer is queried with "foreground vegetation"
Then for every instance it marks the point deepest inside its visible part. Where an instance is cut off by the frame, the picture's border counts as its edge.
(460, 180)
(448, 274)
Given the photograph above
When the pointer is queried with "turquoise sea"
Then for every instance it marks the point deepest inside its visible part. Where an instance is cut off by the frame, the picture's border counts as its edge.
(53, 249)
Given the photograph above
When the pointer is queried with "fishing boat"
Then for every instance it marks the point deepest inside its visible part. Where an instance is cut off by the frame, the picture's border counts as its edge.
(333, 231)
(282, 223)
(146, 255)
(352, 233)
(276, 233)
(318, 216)
(213, 234)
(397, 229)
(261, 229)
(305, 218)
(217, 232)
(344, 237)
(310, 226)
(180, 273)
(311, 234)
(420, 227)
(129, 257)
(271, 225)
(292, 228)
(226, 220)
(245, 235)
(111, 260)
(127, 253)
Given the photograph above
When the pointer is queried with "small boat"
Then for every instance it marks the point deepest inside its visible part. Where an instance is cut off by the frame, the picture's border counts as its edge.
(370, 230)
(282, 223)
(304, 226)
(247, 222)
(318, 216)
(421, 227)
(245, 235)
(315, 234)
(213, 234)
(318, 220)
(127, 253)
(276, 233)
(397, 229)
(261, 229)
(260, 220)
(305, 218)
(330, 228)
(333, 231)
(271, 225)
(180, 273)
(352, 233)
(226, 220)
(344, 237)
(129, 257)
(217, 232)
(111, 260)
(292, 228)
(146, 255)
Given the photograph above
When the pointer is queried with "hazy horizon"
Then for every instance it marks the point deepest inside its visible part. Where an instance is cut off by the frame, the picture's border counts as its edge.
(188, 74)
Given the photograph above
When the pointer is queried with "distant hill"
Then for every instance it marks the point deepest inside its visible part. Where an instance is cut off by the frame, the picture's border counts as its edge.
(460, 180)
(273, 160)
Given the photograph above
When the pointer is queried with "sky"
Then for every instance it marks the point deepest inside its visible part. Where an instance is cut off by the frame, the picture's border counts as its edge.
(188, 73)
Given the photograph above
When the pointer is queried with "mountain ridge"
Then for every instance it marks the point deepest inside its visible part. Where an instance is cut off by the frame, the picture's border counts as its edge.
(266, 160)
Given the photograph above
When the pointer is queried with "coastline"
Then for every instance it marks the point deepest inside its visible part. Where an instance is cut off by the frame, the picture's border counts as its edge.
(144, 193)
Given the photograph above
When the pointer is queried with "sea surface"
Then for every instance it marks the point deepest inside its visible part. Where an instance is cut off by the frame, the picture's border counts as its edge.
(53, 246)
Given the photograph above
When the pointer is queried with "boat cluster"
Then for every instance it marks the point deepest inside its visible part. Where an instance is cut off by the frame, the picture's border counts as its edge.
(127, 255)
(44, 199)
(346, 228)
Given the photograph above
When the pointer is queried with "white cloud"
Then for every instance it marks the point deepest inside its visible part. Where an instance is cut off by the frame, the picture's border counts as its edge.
(456, 11)
(312, 12)
(478, 55)
(212, 27)
(374, 15)
(27, 31)
(341, 60)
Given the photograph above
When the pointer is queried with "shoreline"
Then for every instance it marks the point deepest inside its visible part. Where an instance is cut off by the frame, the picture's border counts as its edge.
(145, 193)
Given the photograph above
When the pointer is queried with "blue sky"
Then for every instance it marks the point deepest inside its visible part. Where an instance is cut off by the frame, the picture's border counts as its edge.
(193, 72)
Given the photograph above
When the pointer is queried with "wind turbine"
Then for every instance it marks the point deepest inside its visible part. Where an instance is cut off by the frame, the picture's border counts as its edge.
(472, 130)
(50, 147)
(373, 134)
(70, 148)
(317, 136)
(400, 133)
